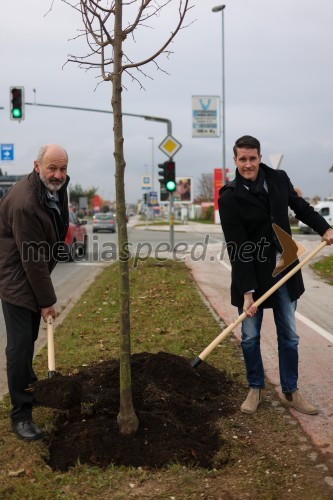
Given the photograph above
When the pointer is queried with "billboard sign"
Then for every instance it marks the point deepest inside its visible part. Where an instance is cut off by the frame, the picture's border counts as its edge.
(217, 187)
(152, 199)
(182, 194)
(205, 116)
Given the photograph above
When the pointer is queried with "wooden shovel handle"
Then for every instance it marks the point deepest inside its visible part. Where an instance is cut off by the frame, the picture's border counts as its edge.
(257, 303)
(50, 344)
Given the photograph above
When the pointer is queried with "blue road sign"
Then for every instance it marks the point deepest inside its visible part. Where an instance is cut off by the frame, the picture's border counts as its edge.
(7, 152)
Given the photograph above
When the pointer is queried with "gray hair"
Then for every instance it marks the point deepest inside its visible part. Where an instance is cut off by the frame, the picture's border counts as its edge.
(42, 152)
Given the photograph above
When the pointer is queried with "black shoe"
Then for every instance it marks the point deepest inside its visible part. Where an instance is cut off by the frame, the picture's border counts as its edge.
(26, 429)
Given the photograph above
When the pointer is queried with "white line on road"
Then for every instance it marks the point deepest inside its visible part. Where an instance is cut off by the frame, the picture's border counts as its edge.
(318, 329)
(96, 264)
(314, 326)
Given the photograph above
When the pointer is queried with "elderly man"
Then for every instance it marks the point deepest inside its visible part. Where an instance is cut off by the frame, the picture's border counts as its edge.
(33, 221)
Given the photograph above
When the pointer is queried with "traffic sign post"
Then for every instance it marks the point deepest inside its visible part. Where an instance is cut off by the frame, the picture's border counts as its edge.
(170, 146)
(146, 182)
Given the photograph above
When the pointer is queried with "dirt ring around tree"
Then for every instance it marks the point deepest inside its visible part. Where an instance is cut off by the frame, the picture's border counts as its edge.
(178, 408)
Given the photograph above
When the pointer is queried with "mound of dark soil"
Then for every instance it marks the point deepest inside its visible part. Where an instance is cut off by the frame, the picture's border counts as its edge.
(178, 409)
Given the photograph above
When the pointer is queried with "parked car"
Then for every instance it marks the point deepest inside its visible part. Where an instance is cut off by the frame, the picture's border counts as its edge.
(325, 208)
(76, 237)
(104, 222)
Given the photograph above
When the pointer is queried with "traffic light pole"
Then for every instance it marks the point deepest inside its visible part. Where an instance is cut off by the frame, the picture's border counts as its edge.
(146, 117)
(171, 220)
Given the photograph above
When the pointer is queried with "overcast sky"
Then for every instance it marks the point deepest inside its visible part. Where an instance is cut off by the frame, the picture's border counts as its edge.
(278, 87)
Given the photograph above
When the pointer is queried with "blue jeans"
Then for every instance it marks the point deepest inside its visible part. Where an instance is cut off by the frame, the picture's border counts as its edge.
(284, 317)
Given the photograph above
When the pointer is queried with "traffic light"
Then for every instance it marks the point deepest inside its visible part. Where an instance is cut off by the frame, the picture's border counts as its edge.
(16, 101)
(162, 173)
(145, 198)
(170, 176)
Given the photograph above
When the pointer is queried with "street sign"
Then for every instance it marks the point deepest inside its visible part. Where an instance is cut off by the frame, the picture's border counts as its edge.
(146, 182)
(170, 146)
(7, 152)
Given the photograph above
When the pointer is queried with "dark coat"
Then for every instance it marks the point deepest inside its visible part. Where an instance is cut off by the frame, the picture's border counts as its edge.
(30, 232)
(247, 227)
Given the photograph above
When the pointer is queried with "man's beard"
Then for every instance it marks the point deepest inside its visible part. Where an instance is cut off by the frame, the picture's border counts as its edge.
(50, 184)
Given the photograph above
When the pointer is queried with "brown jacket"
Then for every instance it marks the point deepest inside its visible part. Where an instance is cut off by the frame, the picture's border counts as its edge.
(30, 232)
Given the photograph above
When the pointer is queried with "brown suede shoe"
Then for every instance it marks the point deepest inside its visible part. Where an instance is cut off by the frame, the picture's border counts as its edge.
(252, 402)
(295, 400)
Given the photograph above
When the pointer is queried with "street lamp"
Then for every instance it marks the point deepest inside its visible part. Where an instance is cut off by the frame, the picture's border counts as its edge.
(152, 163)
(219, 8)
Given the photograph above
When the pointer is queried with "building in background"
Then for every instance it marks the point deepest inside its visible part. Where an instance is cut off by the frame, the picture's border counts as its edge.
(7, 181)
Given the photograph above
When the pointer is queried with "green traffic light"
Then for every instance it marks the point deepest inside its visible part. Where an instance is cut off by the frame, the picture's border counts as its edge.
(16, 112)
(170, 186)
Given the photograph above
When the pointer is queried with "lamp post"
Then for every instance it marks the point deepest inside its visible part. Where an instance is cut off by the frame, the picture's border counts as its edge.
(152, 163)
(152, 173)
(219, 8)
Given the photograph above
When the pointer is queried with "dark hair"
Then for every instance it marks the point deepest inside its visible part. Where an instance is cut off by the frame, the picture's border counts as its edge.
(246, 142)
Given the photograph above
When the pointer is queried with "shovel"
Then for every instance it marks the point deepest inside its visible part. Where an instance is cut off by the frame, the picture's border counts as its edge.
(257, 303)
(50, 347)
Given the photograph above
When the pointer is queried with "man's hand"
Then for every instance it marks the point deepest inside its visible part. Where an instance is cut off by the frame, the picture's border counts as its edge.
(328, 236)
(248, 306)
(47, 311)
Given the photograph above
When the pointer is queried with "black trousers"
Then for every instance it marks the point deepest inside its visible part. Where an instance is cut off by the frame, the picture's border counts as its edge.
(22, 327)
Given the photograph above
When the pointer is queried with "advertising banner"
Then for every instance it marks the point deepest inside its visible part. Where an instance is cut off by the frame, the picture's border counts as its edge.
(217, 187)
(184, 191)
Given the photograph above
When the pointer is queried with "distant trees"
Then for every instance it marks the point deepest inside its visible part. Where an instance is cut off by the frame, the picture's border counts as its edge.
(205, 187)
(76, 192)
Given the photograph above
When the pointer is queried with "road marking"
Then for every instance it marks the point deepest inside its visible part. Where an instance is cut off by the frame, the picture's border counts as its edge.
(96, 264)
(314, 326)
(218, 240)
(318, 329)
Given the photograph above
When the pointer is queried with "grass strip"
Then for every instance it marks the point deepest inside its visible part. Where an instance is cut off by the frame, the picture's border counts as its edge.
(324, 268)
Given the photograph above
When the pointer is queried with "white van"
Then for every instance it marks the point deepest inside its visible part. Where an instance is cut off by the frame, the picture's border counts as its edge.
(325, 208)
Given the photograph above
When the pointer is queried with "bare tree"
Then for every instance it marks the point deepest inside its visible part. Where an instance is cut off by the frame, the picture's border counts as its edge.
(206, 187)
(106, 34)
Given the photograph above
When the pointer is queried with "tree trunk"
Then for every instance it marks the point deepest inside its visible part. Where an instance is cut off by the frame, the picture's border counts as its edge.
(127, 420)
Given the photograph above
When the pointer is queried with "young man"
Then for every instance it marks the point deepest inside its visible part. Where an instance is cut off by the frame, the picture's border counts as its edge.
(249, 206)
(33, 220)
